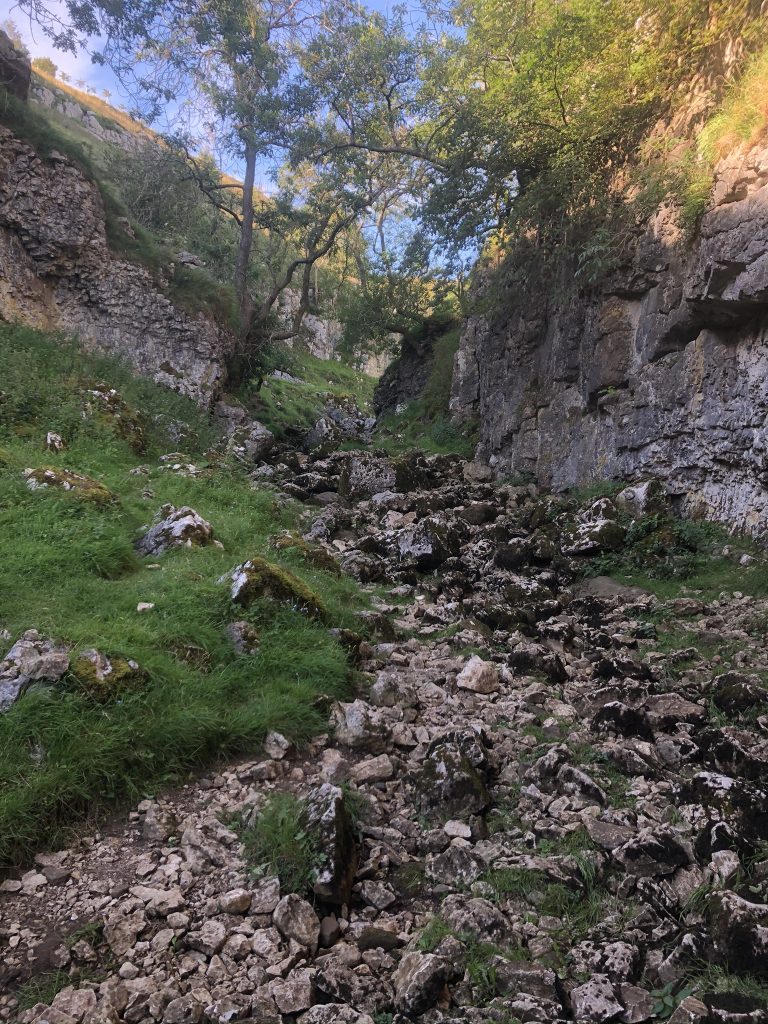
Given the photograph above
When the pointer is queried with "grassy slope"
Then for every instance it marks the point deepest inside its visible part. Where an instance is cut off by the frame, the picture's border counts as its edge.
(286, 406)
(69, 571)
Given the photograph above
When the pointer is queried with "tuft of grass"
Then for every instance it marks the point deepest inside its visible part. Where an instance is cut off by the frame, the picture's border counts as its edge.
(717, 980)
(41, 988)
(743, 115)
(280, 842)
(433, 934)
(71, 573)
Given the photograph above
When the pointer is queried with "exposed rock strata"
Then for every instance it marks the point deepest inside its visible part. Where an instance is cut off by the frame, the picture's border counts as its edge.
(661, 372)
(58, 272)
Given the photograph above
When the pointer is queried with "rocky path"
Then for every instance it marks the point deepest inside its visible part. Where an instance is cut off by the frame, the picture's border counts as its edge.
(540, 807)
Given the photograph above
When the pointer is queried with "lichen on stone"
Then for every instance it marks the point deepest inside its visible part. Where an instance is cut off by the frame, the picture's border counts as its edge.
(257, 578)
(66, 480)
(106, 406)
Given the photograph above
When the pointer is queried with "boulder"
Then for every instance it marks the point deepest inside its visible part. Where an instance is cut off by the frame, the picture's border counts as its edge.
(251, 443)
(258, 578)
(419, 980)
(596, 529)
(175, 528)
(329, 819)
(363, 475)
(32, 659)
(15, 70)
(740, 933)
(474, 916)
(295, 919)
(66, 480)
(596, 1001)
(105, 405)
(360, 726)
(294, 993)
(479, 676)
(653, 852)
(453, 779)
(429, 543)
(103, 677)
(641, 499)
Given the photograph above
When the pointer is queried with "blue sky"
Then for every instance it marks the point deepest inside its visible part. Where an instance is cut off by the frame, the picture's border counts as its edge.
(77, 66)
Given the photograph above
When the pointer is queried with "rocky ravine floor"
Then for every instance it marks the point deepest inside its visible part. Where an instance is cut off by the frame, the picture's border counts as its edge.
(534, 811)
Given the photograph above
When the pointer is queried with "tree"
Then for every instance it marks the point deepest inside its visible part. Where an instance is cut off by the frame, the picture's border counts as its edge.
(231, 68)
(45, 65)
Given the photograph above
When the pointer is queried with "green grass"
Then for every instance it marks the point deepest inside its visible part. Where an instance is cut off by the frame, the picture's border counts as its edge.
(289, 408)
(280, 842)
(741, 120)
(69, 571)
(426, 423)
(714, 979)
(41, 988)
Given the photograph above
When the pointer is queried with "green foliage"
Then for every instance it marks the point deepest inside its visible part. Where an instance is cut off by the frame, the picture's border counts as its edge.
(716, 979)
(664, 554)
(281, 842)
(74, 577)
(550, 105)
(46, 65)
(597, 489)
(668, 998)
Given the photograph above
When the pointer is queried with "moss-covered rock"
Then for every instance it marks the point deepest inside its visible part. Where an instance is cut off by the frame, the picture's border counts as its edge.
(259, 578)
(105, 678)
(315, 556)
(107, 407)
(64, 479)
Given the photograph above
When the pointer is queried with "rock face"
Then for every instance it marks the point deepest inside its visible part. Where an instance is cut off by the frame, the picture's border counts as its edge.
(405, 378)
(660, 372)
(15, 72)
(58, 273)
(46, 93)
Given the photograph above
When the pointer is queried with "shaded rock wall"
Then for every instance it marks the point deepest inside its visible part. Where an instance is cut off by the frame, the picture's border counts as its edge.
(663, 371)
(15, 71)
(57, 272)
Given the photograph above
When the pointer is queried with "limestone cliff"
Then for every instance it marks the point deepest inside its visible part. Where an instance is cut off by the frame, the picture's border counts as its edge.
(57, 272)
(662, 371)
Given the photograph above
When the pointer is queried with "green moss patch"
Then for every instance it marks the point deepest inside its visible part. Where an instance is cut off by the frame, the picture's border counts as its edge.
(65, 480)
(257, 578)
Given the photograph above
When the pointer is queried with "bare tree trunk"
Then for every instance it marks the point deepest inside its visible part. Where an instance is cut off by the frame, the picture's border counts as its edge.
(245, 243)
